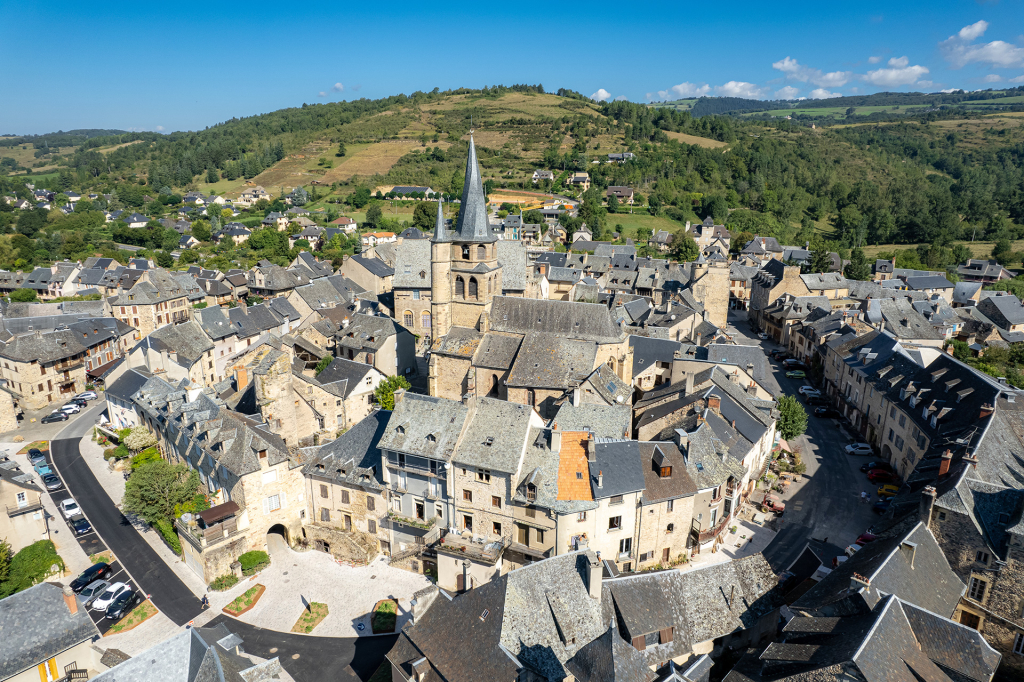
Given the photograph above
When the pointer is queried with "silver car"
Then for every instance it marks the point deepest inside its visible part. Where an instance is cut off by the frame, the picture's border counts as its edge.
(93, 590)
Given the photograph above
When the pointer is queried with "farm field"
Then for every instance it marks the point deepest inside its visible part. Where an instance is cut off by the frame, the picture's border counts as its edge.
(980, 249)
(699, 141)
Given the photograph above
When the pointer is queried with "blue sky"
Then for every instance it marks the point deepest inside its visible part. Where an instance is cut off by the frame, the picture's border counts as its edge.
(186, 65)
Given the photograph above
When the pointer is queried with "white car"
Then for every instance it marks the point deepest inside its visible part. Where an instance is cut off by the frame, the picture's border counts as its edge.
(92, 591)
(71, 408)
(809, 390)
(70, 508)
(101, 602)
(859, 449)
(88, 395)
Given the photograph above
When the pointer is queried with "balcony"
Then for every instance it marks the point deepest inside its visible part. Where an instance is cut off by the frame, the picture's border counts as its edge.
(624, 556)
(17, 510)
(711, 533)
(211, 526)
(68, 365)
(474, 547)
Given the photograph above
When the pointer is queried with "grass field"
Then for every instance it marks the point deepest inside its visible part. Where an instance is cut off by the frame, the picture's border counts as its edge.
(370, 159)
(514, 105)
(631, 223)
(980, 249)
(699, 141)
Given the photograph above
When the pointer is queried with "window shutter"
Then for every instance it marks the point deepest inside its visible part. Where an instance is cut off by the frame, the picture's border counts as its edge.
(638, 643)
(266, 505)
(284, 502)
(666, 636)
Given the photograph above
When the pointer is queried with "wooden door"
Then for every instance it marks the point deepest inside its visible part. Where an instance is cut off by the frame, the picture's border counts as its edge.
(460, 582)
(665, 556)
(523, 535)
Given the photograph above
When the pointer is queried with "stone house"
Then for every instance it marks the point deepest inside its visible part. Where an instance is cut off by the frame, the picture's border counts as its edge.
(157, 299)
(177, 352)
(369, 272)
(666, 507)
(268, 280)
(379, 341)
(25, 519)
(118, 393)
(770, 283)
(347, 512)
(412, 287)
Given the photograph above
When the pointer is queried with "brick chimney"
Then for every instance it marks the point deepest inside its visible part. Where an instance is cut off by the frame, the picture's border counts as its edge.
(986, 409)
(927, 503)
(858, 582)
(70, 600)
(595, 572)
(947, 459)
(715, 403)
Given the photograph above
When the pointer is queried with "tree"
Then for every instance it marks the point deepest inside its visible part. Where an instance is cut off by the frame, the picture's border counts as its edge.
(156, 487)
(23, 296)
(716, 207)
(424, 215)
(201, 230)
(164, 259)
(5, 560)
(858, 268)
(374, 215)
(341, 149)
(613, 203)
(324, 363)
(821, 260)
(654, 204)
(385, 391)
(1003, 251)
(300, 196)
(212, 176)
(792, 417)
(361, 197)
(139, 438)
(683, 248)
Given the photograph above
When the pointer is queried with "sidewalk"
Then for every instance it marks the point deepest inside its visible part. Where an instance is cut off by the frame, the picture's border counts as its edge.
(749, 538)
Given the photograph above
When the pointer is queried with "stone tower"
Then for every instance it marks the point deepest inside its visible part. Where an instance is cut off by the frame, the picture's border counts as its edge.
(471, 279)
(710, 284)
(440, 277)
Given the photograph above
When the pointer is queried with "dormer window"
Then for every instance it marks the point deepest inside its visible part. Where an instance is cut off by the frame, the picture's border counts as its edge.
(262, 454)
(531, 492)
(431, 438)
(401, 430)
(320, 468)
(665, 472)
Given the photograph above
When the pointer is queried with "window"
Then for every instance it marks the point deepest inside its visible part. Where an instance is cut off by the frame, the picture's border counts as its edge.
(415, 294)
(496, 528)
(890, 435)
(496, 501)
(942, 516)
(272, 503)
(539, 533)
(425, 319)
(671, 505)
(582, 516)
(344, 497)
(982, 558)
(407, 318)
(22, 499)
(625, 545)
(892, 413)
(325, 514)
(467, 495)
(903, 420)
(615, 499)
(460, 287)
(977, 590)
(899, 443)
(472, 287)
(671, 527)
(530, 512)
(1018, 644)
(615, 523)
(323, 491)
(371, 526)
(467, 522)
(483, 475)
(263, 454)
(370, 504)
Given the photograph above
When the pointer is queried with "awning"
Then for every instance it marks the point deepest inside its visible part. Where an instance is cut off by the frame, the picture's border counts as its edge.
(102, 369)
(219, 513)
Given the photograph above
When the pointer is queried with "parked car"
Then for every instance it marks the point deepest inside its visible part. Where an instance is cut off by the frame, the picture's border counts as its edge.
(879, 476)
(42, 468)
(70, 508)
(796, 374)
(71, 408)
(104, 600)
(851, 550)
(81, 525)
(884, 466)
(78, 401)
(87, 395)
(55, 417)
(122, 604)
(793, 363)
(772, 503)
(762, 336)
(826, 412)
(888, 490)
(817, 400)
(52, 482)
(809, 390)
(35, 456)
(90, 575)
(881, 506)
(865, 538)
(859, 449)
(93, 590)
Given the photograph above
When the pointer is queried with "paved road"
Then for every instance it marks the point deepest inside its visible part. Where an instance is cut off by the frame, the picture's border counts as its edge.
(308, 658)
(828, 504)
(168, 593)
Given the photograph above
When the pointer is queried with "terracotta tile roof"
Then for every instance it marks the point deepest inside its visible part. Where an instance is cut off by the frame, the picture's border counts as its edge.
(573, 476)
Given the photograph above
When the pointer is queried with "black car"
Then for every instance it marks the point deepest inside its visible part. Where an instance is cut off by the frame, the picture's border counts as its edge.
(52, 482)
(817, 400)
(79, 401)
(826, 412)
(884, 466)
(94, 572)
(122, 604)
(54, 417)
(81, 525)
(35, 456)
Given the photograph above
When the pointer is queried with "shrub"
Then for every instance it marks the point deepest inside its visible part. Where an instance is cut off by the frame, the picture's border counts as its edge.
(170, 536)
(29, 566)
(254, 561)
(224, 582)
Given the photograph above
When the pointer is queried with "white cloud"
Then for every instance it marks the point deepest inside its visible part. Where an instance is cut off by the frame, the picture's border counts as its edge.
(357, 88)
(337, 87)
(794, 70)
(788, 92)
(874, 60)
(960, 50)
(947, 91)
(621, 98)
(159, 129)
(822, 93)
(740, 89)
(601, 95)
(899, 62)
(924, 84)
(895, 76)
(321, 94)
(1018, 79)
(993, 78)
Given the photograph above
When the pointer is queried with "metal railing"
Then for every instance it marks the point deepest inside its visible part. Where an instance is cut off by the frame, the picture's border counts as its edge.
(705, 535)
(18, 510)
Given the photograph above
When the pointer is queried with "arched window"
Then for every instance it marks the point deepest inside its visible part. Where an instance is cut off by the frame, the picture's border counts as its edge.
(460, 287)
(408, 318)
(472, 287)
(531, 398)
(465, 253)
(490, 285)
(481, 252)
(425, 319)
(494, 386)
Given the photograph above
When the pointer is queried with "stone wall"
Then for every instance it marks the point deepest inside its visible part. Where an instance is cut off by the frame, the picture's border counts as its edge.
(653, 535)
(448, 376)
(351, 547)
(330, 495)
(8, 411)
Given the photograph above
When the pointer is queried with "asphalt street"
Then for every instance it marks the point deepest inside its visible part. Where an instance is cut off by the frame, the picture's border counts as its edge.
(153, 576)
(828, 505)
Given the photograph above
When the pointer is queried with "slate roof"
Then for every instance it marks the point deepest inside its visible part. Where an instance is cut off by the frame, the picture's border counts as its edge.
(605, 421)
(495, 435)
(496, 350)
(160, 287)
(186, 340)
(513, 261)
(608, 658)
(547, 360)
(964, 292)
(37, 625)
(343, 376)
(127, 384)
(618, 463)
(584, 321)
(762, 245)
(744, 356)
(412, 257)
(417, 416)
(1003, 310)
(929, 282)
(375, 266)
(654, 456)
(60, 343)
(353, 457)
(473, 224)
(827, 281)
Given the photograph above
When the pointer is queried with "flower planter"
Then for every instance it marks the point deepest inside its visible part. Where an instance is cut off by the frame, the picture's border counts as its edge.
(238, 606)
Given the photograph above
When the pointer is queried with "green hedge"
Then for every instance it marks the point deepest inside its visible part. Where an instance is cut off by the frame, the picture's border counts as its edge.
(224, 582)
(254, 561)
(170, 536)
(30, 566)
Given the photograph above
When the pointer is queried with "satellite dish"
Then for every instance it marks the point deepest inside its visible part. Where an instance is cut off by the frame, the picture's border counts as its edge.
(186, 517)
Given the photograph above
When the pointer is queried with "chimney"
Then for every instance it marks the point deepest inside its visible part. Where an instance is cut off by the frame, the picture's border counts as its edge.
(399, 394)
(590, 448)
(927, 502)
(752, 389)
(668, 307)
(971, 459)
(241, 304)
(858, 582)
(70, 600)
(696, 341)
(420, 669)
(986, 410)
(750, 368)
(908, 550)
(241, 379)
(600, 479)
(689, 383)
(682, 440)
(556, 439)
(715, 403)
(735, 376)
(947, 458)
(594, 574)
